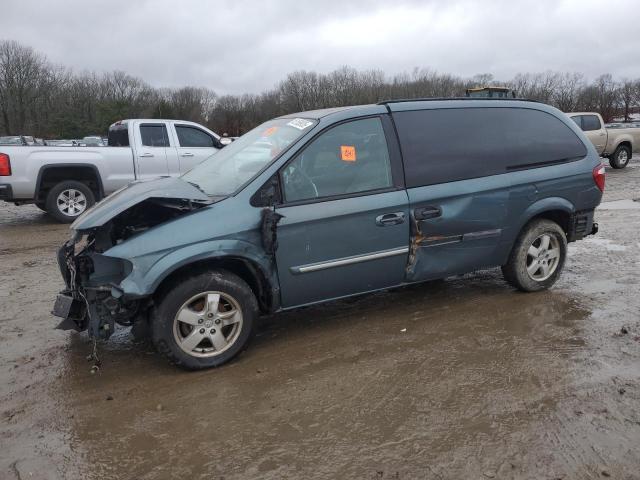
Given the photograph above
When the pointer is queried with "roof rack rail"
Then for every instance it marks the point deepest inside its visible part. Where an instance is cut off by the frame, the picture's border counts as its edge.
(439, 99)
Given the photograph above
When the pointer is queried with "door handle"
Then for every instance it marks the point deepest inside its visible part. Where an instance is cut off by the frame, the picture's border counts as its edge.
(186, 154)
(425, 213)
(390, 219)
(602, 134)
(146, 154)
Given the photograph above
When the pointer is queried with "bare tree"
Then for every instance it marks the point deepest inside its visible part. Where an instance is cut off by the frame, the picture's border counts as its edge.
(39, 98)
(608, 93)
(629, 98)
(567, 91)
(23, 80)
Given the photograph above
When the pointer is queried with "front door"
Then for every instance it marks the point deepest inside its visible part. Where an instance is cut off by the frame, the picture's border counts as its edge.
(345, 225)
(194, 146)
(152, 154)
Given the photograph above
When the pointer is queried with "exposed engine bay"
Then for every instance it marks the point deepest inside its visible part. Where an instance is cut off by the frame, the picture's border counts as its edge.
(92, 299)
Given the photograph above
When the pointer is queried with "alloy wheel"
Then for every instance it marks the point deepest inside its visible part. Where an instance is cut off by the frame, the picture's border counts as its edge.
(543, 257)
(71, 202)
(208, 324)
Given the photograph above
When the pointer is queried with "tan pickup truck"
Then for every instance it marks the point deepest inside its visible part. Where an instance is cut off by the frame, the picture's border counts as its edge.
(617, 142)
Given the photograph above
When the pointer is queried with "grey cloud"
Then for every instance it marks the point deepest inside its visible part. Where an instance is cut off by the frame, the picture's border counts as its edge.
(247, 46)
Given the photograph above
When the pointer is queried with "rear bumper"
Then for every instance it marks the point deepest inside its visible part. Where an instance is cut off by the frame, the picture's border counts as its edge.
(6, 192)
(582, 225)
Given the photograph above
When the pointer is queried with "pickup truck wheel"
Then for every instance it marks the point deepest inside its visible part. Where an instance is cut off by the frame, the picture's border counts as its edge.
(537, 258)
(620, 157)
(69, 199)
(205, 320)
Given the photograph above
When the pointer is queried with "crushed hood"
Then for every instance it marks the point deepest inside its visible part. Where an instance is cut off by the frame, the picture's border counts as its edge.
(166, 188)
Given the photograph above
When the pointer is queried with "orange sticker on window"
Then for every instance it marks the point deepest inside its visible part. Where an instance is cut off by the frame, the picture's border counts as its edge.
(348, 153)
(269, 131)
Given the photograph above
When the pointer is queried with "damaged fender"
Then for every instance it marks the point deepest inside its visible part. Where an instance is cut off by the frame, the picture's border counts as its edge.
(144, 281)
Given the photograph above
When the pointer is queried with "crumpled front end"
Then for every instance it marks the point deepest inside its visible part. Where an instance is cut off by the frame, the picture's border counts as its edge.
(92, 299)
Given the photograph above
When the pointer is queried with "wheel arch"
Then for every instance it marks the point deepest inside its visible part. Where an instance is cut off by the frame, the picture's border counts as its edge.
(49, 175)
(249, 270)
(556, 209)
(624, 141)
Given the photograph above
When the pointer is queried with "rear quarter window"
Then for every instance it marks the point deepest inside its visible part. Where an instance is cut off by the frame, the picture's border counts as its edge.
(118, 136)
(447, 145)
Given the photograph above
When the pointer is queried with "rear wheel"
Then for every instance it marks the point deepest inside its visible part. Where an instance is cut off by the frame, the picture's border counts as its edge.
(538, 257)
(69, 199)
(620, 157)
(206, 320)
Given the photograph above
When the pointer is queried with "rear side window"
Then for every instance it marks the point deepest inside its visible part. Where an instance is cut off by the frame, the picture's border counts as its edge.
(577, 119)
(154, 135)
(590, 123)
(193, 137)
(448, 145)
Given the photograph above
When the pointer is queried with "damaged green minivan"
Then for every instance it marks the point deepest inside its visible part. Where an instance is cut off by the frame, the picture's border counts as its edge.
(325, 204)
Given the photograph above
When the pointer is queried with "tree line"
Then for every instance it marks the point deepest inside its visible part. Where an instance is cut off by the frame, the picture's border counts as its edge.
(51, 101)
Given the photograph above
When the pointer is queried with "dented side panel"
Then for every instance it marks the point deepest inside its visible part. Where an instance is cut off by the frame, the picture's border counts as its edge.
(463, 227)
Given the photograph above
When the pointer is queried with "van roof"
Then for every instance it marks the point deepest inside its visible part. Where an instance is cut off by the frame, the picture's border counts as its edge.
(368, 108)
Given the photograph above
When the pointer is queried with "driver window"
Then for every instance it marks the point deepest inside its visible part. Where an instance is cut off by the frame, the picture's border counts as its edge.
(349, 158)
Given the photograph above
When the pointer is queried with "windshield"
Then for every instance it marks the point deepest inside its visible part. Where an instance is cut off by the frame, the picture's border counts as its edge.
(225, 172)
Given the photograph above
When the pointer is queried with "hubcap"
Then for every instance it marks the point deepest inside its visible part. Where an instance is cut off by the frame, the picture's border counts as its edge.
(543, 257)
(71, 202)
(208, 324)
(623, 157)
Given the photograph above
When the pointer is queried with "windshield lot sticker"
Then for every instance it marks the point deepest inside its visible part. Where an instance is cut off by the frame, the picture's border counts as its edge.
(348, 153)
(269, 131)
(300, 123)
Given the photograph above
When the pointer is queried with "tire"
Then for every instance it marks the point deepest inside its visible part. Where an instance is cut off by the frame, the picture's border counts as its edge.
(520, 270)
(80, 197)
(620, 157)
(194, 326)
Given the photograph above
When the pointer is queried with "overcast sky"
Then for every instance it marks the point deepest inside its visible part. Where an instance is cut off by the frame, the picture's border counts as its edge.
(248, 46)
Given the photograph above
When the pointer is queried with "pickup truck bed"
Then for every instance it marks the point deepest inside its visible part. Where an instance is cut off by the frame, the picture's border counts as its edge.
(107, 169)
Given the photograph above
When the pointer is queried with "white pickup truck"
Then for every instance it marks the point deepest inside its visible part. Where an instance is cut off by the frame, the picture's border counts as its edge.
(65, 181)
(615, 142)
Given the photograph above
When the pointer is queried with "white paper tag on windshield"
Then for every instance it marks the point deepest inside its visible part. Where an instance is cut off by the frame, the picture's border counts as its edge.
(300, 123)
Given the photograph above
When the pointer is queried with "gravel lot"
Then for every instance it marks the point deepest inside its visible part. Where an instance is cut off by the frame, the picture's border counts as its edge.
(464, 378)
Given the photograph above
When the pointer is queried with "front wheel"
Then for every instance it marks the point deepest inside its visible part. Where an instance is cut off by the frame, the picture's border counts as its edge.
(205, 320)
(537, 258)
(620, 157)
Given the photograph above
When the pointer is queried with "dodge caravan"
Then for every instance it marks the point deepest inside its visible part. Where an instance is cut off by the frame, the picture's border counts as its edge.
(326, 204)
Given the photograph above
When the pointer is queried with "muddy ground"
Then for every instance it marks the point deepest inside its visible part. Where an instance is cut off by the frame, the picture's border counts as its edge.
(464, 378)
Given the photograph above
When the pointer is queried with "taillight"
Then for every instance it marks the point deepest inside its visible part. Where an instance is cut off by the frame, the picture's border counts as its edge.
(598, 176)
(5, 165)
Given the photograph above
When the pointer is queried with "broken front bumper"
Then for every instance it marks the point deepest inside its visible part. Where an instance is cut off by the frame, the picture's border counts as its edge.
(92, 299)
